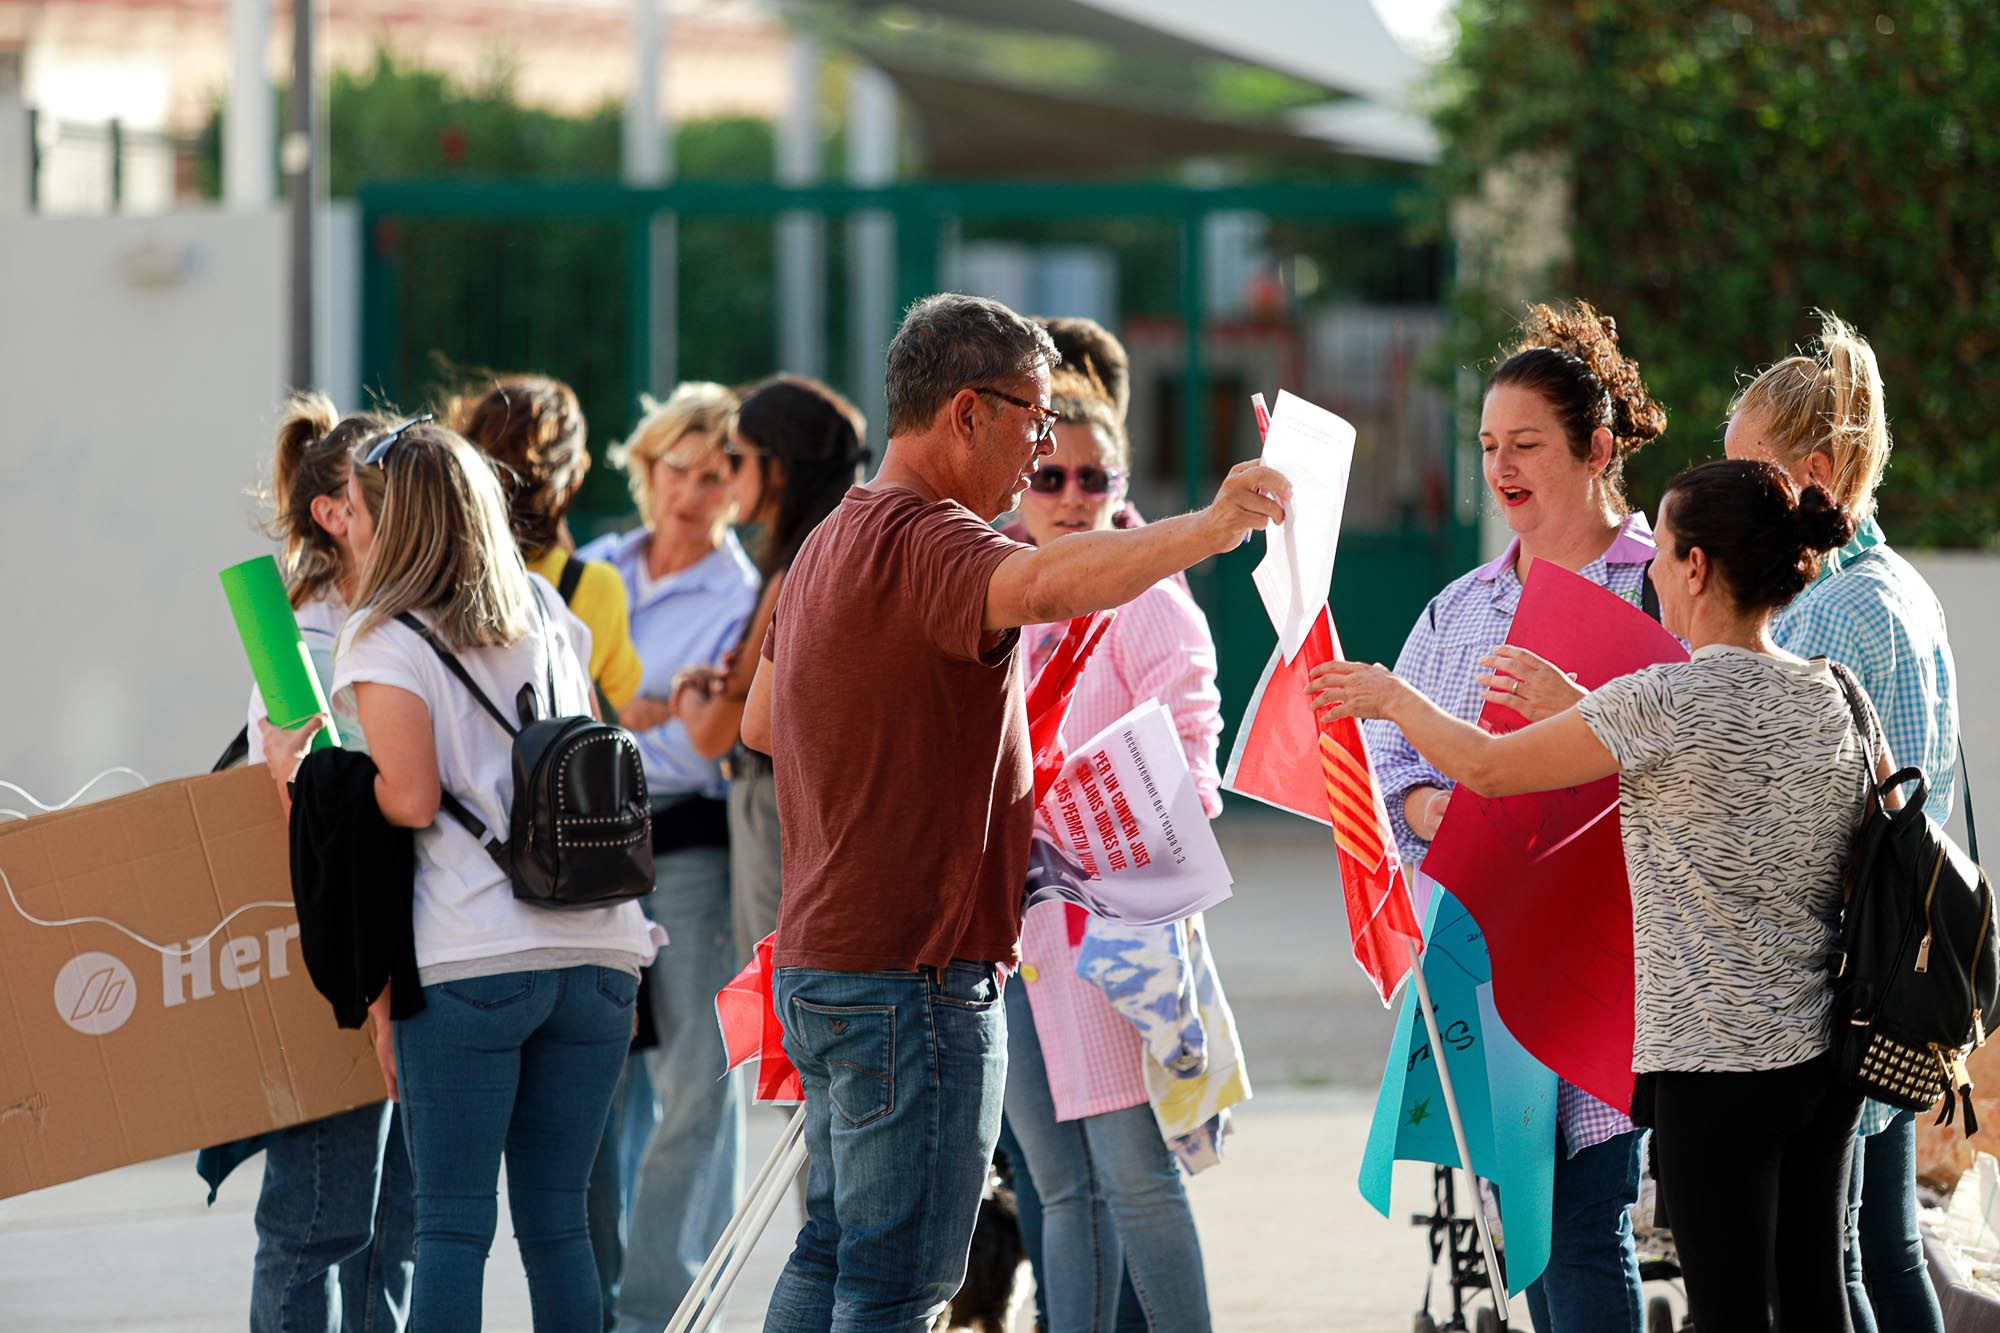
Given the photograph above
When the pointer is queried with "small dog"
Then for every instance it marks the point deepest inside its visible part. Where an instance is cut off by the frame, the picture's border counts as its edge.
(987, 1295)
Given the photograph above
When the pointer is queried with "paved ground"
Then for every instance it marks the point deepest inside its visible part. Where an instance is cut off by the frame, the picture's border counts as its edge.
(1289, 1243)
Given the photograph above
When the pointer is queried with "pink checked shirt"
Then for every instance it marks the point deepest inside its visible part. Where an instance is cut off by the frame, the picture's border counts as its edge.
(1158, 647)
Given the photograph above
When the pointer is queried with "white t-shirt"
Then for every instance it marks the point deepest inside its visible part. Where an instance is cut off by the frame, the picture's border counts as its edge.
(465, 907)
(319, 625)
(1741, 783)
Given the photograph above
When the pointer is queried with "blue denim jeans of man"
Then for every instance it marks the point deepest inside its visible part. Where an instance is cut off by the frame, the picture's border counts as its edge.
(903, 1075)
(520, 1066)
(627, 1130)
(1592, 1282)
(335, 1227)
(1888, 1282)
(1112, 1200)
(691, 1177)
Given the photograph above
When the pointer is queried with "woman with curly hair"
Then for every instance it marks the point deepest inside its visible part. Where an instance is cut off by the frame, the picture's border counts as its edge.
(1562, 413)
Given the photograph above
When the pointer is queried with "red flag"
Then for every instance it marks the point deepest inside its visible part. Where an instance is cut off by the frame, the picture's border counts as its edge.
(1053, 688)
(1287, 757)
(749, 1017)
(1544, 874)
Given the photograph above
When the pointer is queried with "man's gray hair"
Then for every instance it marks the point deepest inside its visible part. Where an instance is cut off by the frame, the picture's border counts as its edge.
(950, 342)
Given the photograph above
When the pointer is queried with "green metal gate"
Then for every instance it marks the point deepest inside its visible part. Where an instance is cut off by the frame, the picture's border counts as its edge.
(603, 232)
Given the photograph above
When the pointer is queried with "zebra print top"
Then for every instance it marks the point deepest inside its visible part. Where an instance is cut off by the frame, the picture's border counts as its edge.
(1742, 780)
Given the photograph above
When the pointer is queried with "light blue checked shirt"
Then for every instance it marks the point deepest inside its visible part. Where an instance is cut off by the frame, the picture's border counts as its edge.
(1872, 612)
(1462, 624)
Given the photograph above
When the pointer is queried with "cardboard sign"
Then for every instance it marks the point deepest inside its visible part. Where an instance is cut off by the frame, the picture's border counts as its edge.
(112, 1052)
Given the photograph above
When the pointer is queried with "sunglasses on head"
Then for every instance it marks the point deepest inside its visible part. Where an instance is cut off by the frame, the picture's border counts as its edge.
(380, 449)
(1053, 479)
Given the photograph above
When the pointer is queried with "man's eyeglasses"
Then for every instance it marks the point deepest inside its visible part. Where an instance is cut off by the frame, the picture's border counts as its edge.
(379, 450)
(1053, 479)
(1047, 416)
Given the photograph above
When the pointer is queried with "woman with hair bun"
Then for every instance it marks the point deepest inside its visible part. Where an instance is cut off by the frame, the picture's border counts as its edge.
(1562, 413)
(1743, 775)
(335, 1232)
(1821, 417)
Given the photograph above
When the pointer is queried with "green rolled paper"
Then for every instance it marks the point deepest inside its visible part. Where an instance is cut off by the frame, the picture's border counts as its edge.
(278, 655)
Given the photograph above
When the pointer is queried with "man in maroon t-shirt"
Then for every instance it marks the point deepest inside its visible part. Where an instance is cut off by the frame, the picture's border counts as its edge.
(890, 701)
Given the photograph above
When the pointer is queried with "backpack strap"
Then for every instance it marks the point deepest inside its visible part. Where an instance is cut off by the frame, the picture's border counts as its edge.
(572, 575)
(548, 640)
(448, 803)
(472, 824)
(1862, 714)
(238, 750)
(1851, 688)
(457, 668)
(1965, 786)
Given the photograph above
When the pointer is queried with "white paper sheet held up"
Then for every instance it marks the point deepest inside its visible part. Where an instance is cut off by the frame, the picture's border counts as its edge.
(1315, 450)
(1127, 838)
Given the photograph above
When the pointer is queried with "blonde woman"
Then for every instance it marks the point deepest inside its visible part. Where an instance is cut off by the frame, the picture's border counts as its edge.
(333, 1211)
(1821, 417)
(692, 590)
(527, 1012)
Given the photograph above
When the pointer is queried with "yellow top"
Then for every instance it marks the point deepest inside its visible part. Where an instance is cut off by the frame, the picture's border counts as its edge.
(600, 603)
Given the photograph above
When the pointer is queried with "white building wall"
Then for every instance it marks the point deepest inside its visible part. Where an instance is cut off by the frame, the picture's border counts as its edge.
(141, 365)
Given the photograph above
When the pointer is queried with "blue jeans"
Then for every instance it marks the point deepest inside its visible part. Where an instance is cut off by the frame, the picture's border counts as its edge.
(691, 1177)
(522, 1066)
(1592, 1281)
(1888, 1282)
(1027, 1212)
(334, 1219)
(903, 1075)
(1111, 1198)
(613, 1175)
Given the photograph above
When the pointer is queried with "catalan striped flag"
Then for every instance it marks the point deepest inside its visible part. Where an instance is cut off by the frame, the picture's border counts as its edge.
(1350, 795)
(1287, 757)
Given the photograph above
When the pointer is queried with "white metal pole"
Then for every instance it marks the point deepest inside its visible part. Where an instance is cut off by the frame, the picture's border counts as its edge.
(800, 238)
(17, 152)
(1458, 1130)
(766, 1206)
(871, 160)
(773, 1180)
(248, 161)
(645, 146)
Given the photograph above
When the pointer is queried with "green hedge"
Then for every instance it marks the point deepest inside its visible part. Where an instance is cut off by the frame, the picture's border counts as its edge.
(1733, 166)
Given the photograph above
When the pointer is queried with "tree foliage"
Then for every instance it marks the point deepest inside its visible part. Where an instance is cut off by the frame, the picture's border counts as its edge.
(1732, 166)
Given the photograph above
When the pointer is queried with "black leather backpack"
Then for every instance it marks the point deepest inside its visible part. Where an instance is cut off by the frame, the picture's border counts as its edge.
(579, 834)
(1915, 978)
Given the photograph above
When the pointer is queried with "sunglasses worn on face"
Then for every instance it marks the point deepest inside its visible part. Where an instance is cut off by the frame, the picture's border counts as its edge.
(1053, 479)
(380, 449)
(1047, 417)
